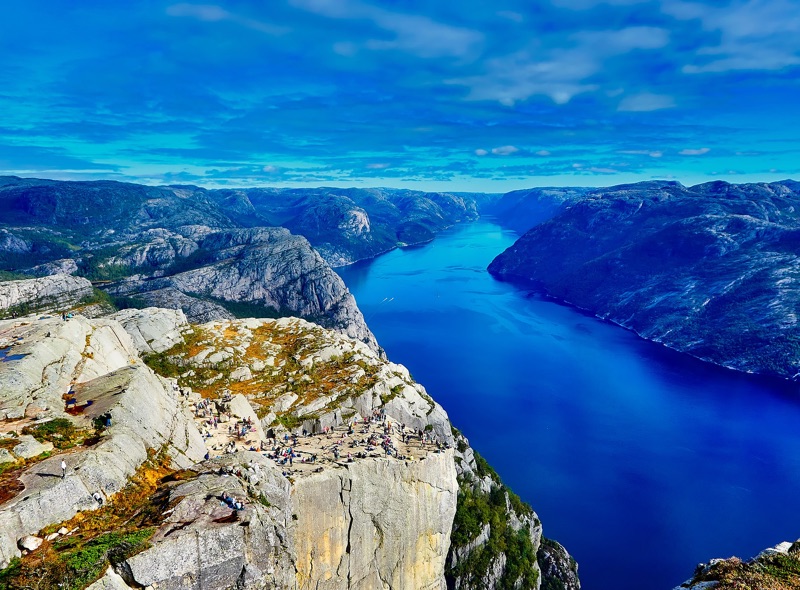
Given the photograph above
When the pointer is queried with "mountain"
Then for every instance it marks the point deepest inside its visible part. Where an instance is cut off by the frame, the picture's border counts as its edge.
(216, 253)
(711, 270)
(379, 491)
(521, 210)
(347, 225)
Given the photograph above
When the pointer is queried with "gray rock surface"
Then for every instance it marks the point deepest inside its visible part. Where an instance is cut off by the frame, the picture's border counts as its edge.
(712, 270)
(271, 272)
(100, 359)
(205, 544)
(53, 292)
(153, 329)
(376, 524)
(197, 310)
(30, 447)
(63, 266)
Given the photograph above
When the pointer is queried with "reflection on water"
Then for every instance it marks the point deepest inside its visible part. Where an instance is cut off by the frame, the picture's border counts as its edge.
(642, 461)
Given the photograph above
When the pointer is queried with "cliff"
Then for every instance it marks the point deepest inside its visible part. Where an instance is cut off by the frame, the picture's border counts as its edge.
(147, 409)
(709, 270)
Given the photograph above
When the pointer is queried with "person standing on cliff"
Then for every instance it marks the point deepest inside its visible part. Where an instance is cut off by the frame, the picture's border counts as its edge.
(63, 469)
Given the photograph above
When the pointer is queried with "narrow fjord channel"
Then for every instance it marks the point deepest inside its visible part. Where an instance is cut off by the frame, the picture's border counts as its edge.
(641, 461)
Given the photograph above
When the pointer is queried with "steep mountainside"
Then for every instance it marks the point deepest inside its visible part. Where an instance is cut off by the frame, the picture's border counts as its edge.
(523, 209)
(346, 225)
(252, 453)
(711, 270)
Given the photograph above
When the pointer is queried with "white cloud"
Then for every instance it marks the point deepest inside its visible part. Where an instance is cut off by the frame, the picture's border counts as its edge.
(560, 73)
(378, 166)
(214, 13)
(481, 152)
(543, 153)
(505, 150)
(415, 34)
(510, 15)
(747, 34)
(651, 153)
(646, 101)
(694, 152)
(269, 169)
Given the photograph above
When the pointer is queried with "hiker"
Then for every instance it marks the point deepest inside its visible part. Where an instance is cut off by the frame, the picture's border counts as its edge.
(98, 498)
(63, 469)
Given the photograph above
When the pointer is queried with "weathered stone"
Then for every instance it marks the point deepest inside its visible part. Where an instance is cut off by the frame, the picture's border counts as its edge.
(399, 516)
(30, 447)
(52, 292)
(153, 329)
(111, 580)
(30, 542)
(6, 457)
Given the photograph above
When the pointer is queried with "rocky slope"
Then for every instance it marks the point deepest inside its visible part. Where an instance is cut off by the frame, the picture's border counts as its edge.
(346, 225)
(269, 270)
(53, 292)
(368, 497)
(711, 270)
(776, 568)
(212, 250)
(521, 210)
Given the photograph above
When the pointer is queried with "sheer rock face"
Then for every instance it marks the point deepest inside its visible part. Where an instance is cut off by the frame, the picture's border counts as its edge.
(52, 292)
(377, 524)
(557, 566)
(712, 270)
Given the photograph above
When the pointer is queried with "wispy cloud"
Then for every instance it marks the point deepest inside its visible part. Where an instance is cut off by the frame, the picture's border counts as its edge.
(412, 33)
(747, 34)
(214, 13)
(645, 102)
(505, 150)
(694, 152)
(561, 72)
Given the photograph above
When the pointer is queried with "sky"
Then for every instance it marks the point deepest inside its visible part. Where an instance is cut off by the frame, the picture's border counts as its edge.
(470, 95)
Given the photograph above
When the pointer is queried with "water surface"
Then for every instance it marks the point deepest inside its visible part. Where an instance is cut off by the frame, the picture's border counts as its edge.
(641, 461)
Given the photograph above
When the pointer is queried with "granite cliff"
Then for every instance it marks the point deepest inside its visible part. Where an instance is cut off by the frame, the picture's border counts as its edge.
(710, 270)
(155, 419)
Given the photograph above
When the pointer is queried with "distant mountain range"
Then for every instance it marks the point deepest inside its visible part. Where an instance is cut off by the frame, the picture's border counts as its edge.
(712, 270)
(217, 253)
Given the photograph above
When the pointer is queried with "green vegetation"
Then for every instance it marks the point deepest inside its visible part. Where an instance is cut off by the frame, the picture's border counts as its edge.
(59, 431)
(473, 511)
(6, 275)
(777, 571)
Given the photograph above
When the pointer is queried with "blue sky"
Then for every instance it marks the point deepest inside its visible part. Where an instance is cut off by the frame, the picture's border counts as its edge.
(468, 95)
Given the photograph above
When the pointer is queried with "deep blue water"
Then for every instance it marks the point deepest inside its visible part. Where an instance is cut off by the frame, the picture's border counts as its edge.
(642, 462)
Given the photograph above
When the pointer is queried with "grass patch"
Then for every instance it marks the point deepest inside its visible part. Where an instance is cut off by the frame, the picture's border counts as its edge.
(59, 431)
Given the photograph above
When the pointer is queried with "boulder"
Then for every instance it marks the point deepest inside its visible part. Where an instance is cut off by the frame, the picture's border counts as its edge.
(30, 542)
(29, 447)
